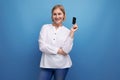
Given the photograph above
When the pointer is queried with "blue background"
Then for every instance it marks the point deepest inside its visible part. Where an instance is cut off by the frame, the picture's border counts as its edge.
(96, 51)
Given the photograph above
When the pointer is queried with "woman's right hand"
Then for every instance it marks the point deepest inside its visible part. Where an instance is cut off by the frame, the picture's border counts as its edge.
(61, 52)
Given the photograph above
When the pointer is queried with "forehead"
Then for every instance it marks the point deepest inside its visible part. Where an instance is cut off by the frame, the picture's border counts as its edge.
(57, 10)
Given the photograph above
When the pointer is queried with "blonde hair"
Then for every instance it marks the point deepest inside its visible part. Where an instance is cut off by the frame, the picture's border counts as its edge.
(61, 8)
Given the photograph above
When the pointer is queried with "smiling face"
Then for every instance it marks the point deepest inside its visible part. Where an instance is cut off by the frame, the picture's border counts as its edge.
(58, 15)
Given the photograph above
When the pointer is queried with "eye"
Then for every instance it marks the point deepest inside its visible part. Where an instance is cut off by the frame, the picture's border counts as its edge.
(54, 14)
(59, 13)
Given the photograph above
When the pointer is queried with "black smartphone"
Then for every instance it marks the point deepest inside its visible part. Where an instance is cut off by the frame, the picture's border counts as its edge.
(74, 20)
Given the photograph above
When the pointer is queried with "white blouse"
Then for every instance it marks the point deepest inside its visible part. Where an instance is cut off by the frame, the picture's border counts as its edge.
(50, 40)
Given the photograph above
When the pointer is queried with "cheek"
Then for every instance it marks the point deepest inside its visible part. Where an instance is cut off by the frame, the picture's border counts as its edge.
(61, 16)
(53, 17)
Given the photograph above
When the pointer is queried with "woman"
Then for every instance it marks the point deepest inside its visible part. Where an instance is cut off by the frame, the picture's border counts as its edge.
(55, 43)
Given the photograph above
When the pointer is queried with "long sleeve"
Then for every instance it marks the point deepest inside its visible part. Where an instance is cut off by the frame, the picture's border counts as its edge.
(50, 41)
(67, 46)
(43, 46)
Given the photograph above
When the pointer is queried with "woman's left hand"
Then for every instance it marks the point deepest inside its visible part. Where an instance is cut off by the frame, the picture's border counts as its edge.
(74, 27)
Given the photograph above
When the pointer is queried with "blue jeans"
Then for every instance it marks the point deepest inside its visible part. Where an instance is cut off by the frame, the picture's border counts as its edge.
(48, 73)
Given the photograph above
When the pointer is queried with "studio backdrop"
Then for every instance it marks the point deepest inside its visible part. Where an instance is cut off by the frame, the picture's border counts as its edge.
(96, 50)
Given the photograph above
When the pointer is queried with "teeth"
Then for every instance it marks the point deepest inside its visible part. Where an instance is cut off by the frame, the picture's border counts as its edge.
(57, 20)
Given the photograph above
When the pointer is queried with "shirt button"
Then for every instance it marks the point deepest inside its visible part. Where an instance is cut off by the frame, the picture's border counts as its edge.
(53, 39)
(55, 33)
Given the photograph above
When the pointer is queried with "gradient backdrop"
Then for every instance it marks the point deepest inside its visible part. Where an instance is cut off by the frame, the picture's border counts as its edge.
(96, 51)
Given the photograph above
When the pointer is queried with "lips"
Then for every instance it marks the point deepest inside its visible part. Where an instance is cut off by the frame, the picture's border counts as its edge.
(57, 20)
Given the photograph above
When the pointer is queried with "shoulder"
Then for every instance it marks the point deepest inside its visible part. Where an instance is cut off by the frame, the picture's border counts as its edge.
(46, 26)
(66, 29)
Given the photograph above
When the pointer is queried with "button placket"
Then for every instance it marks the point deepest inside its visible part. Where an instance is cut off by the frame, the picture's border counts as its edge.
(54, 36)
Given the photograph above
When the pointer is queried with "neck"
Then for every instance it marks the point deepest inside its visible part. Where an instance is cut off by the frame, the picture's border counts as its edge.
(56, 25)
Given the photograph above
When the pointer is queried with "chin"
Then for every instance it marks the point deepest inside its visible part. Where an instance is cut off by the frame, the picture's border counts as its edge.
(58, 22)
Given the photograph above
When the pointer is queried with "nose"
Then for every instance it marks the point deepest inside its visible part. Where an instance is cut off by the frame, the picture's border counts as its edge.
(57, 16)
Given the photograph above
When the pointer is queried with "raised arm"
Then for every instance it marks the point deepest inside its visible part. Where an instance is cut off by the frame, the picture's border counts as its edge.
(67, 46)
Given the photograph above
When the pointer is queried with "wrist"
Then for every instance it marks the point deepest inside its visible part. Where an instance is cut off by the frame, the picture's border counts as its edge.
(71, 33)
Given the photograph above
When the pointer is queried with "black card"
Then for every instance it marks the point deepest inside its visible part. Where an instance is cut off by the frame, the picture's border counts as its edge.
(74, 20)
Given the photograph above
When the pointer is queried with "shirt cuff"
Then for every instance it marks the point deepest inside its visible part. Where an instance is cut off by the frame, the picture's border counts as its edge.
(56, 50)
